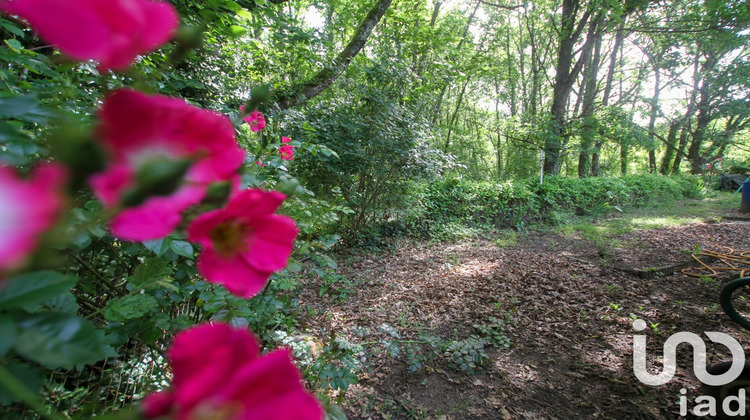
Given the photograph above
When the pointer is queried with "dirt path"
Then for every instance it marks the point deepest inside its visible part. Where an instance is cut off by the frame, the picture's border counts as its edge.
(564, 304)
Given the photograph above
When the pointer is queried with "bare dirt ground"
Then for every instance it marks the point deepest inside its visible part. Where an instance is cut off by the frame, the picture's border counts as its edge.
(565, 304)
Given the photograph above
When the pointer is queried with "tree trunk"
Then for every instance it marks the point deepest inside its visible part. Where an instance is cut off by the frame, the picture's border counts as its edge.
(669, 154)
(589, 85)
(619, 37)
(453, 119)
(565, 75)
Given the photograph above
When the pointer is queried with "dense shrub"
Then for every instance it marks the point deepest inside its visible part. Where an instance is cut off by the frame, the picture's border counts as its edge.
(450, 202)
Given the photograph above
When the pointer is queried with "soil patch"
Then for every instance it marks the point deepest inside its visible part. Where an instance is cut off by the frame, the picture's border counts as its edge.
(563, 303)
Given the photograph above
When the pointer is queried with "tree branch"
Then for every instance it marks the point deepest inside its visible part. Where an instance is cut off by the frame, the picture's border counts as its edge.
(299, 94)
(518, 6)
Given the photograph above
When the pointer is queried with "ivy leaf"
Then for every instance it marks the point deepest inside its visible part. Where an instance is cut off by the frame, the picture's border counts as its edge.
(130, 307)
(57, 340)
(32, 288)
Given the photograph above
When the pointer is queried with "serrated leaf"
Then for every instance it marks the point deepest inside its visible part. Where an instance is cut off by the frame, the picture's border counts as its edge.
(8, 26)
(64, 302)
(182, 248)
(158, 246)
(390, 330)
(152, 270)
(58, 340)
(32, 288)
(24, 107)
(13, 43)
(130, 307)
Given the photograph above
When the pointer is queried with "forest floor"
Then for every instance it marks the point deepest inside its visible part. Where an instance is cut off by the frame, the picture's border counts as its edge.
(548, 314)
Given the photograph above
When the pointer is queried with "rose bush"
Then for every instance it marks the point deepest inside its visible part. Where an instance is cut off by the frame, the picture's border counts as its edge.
(164, 161)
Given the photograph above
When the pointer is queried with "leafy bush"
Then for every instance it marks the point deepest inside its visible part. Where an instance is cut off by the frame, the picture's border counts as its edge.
(444, 209)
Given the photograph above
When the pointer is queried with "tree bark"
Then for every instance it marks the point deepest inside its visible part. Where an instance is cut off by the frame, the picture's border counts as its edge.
(589, 86)
(565, 75)
(301, 93)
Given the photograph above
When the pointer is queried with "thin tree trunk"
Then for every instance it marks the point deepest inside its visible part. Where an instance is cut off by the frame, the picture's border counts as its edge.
(589, 85)
(669, 154)
(453, 119)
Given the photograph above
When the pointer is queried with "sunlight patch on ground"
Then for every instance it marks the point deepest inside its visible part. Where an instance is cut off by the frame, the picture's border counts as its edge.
(658, 222)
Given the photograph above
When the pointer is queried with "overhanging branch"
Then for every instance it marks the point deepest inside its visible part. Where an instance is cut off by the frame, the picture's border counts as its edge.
(301, 93)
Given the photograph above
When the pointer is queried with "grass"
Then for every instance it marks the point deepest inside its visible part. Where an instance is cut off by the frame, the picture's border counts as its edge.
(603, 230)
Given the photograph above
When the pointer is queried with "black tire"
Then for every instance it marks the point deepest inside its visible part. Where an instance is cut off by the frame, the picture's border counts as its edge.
(730, 389)
(727, 301)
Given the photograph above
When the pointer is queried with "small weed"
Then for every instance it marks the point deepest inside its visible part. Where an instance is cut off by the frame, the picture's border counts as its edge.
(453, 261)
(467, 354)
(494, 332)
(615, 306)
(710, 282)
(335, 285)
(507, 238)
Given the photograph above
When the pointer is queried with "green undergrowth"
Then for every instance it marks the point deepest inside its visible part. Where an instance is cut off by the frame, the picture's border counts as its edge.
(455, 209)
(605, 228)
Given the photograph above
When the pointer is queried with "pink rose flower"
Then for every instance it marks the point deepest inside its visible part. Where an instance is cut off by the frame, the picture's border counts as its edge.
(219, 374)
(285, 139)
(244, 242)
(138, 130)
(112, 32)
(254, 119)
(287, 152)
(27, 209)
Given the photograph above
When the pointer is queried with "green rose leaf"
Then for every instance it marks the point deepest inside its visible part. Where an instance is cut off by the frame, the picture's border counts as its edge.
(57, 340)
(8, 334)
(182, 248)
(130, 307)
(158, 246)
(31, 377)
(152, 270)
(33, 288)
